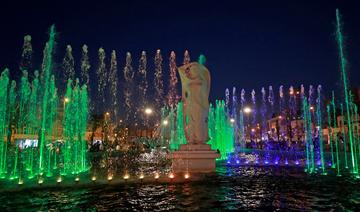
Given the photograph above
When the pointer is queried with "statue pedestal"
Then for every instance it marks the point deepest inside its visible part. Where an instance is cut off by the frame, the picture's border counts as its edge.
(194, 158)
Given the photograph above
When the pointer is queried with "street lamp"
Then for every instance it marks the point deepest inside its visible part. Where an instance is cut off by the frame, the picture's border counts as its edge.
(247, 110)
(165, 122)
(148, 111)
(66, 100)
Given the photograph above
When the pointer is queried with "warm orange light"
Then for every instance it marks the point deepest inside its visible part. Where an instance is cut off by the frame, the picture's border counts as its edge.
(187, 176)
(247, 110)
(148, 111)
(141, 176)
(93, 178)
(156, 176)
(171, 176)
(110, 177)
(126, 176)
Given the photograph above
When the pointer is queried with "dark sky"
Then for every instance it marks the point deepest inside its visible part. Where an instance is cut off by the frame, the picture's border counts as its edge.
(248, 44)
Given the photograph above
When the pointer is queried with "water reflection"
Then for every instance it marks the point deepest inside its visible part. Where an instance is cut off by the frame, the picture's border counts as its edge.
(232, 188)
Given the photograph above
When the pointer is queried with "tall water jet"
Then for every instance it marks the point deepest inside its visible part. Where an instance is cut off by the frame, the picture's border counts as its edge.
(26, 55)
(310, 163)
(113, 80)
(4, 83)
(143, 86)
(172, 94)
(319, 129)
(128, 89)
(227, 101)
(34, 122)
(85, 66)
(271, 101)
(263, 111)
(224, 137)
(47, 69)
(186, 57)
(234, 117)
(292, 110)
(343, 67)
(158, 80)
(102, 77)
(253, 100)
(180, 134)
(74, 125)
(282, 116)
(241, 119)
(68, 64)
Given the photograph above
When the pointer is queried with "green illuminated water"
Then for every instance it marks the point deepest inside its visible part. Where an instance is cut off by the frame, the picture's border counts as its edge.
(343, 67)
(31, 140)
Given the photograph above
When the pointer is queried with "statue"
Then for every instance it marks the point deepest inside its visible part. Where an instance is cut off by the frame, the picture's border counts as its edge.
(195, 81)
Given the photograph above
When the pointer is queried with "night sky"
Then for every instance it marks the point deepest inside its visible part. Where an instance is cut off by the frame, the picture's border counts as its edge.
(248, 45)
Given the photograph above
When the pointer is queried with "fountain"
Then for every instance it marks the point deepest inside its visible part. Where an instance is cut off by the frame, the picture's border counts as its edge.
(31, 144)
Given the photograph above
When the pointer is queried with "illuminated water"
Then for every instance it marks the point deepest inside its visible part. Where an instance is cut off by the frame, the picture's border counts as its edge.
(232, 188)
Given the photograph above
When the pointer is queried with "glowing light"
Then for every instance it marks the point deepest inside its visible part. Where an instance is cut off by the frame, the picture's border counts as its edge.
(297, 162)
(232, 120)
(148, 111)
(171, 176)
(66, 100)
(165, 122)
(40, 181)
(110, 177)
(252, 130)
(141, 176)
(311, 108)
(20, 182)
(107, 114)
(156, 176)
(228, 162)
(77, 179)
(93, 178)
(187, 176)
(58, 180)
(237, 162)
(280, 117)
(247, 110)
(126, 176)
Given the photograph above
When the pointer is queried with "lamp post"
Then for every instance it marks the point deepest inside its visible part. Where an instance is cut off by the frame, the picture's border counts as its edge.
(66, 100)
(247, 111)
(148, 111)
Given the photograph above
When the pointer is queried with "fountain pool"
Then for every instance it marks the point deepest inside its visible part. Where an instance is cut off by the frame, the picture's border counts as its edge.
(231, 188)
